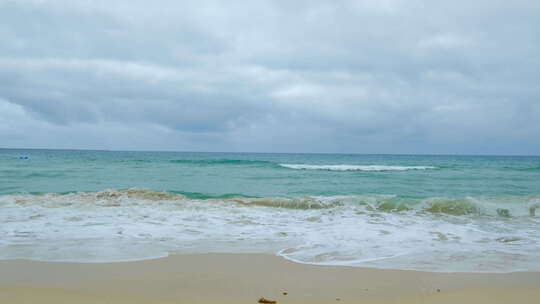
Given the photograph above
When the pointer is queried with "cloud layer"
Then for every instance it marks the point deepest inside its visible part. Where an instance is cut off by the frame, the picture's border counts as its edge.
(307, 76)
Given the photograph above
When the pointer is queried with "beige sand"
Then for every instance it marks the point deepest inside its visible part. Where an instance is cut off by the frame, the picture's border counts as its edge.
(244, 278)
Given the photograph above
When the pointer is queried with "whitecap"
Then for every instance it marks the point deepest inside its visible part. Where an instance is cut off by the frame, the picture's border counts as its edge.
(355, 167)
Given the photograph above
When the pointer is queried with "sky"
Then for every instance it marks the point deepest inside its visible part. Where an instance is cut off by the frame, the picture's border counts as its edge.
(385, 76)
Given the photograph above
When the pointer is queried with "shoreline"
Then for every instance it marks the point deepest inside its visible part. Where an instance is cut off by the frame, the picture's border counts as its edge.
(244, 278)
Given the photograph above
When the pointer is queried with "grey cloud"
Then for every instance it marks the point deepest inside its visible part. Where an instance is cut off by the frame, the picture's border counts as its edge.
(329, 76)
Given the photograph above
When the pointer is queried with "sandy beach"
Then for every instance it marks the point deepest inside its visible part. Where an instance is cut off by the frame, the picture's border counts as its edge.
(245, 278)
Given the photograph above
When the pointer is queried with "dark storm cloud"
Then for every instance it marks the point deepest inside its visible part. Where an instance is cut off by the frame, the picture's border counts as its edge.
(328, 76)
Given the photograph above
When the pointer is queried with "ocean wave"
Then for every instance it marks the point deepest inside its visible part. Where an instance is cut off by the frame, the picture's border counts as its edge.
(210, 162)
(385, 231)
(497, 206)
(291, 203)
(32, 174)
(355, 167)
(525, 169)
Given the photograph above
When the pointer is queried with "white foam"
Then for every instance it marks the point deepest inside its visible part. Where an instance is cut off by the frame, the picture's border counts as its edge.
(346, 230)
(355, 167)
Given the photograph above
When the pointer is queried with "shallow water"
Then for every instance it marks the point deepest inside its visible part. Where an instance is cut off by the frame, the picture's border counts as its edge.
(435, 213)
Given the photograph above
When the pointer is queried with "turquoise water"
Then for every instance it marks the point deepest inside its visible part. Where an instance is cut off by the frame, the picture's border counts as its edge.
(436, 213)
(250, 174)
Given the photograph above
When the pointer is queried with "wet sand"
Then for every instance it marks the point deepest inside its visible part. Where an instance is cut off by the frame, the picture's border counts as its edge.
(244, 278)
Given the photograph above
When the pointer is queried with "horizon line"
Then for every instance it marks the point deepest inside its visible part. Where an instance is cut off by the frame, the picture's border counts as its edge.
(252, 152)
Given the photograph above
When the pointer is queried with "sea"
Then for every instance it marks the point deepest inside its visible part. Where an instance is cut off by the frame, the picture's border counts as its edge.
(442, 213)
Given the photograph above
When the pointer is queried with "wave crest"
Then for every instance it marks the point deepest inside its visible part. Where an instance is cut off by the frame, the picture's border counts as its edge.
(501, 206)
(355, 167)
(290, 203)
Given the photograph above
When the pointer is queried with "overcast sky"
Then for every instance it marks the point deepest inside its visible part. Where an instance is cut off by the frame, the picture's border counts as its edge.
(383, 76)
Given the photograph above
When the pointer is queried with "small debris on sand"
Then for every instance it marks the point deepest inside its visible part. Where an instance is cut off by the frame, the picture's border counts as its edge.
(438, 290)
(285, 293)
(266, 301)
(338, 299)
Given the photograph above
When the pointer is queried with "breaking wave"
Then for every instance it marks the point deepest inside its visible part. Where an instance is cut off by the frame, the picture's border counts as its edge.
(355, 167)
(476, 234)
(505, 206)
